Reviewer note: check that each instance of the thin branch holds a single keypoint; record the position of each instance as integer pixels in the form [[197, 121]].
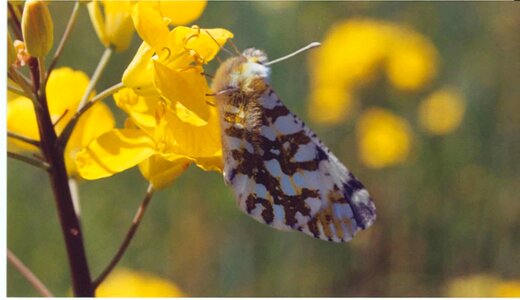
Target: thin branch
[[23, 138], [17, 91], [130, 234], [32, 161], [64, 38], [64, 137], [15, 20], [27, 274], [95, 77], [21, 80]]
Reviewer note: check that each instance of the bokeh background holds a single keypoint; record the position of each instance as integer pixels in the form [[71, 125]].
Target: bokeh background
[[420, 100]]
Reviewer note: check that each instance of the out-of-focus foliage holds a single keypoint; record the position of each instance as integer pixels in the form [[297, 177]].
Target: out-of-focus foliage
[[447, 211]]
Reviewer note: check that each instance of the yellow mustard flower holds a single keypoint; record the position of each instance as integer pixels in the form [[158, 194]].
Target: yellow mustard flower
[[508, 288], [330, 103], [64, 90], [353, 52], [442, 111], [112, 22], [128, 283], [384, 139], [482, 285], [154, 138], [171, 68], [412, 60]]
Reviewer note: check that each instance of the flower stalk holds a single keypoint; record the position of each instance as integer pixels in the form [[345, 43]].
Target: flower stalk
[[54, 155]]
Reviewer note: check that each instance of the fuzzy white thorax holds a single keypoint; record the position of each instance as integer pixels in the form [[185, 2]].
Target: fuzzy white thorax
[[247, 72]]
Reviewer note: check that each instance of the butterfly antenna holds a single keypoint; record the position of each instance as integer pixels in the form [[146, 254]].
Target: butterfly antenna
[[310, 46], [220, 46]]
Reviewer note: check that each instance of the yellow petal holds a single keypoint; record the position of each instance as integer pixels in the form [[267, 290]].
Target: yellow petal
[[139, 73], [140, 109], [149, 23], [161, 172], [65, 89], [96, 121], [113, 152], [187, 87], [118, 24], [205, 43], [182, 12], [127, 283], [96, 17], [21, 119], [202, 144]]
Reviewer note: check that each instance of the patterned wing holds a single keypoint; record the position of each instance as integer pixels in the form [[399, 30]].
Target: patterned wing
[[284, 176]]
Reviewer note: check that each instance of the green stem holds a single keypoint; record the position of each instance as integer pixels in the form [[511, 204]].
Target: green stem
[[64, 38], [95, 77], [28, 274], [128, 238], [26, 159]]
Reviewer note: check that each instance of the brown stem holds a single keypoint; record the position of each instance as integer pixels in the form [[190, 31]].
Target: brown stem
[[128, 238], [27, 274], [54, 155], [29, 160]]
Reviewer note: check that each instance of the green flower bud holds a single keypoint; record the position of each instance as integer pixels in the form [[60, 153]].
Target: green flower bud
[[37, 28]]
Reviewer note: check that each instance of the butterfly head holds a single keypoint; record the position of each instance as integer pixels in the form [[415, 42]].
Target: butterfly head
[[245, 73]]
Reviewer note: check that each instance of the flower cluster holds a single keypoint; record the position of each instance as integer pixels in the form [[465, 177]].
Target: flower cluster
[[170, 120], [353, 54]]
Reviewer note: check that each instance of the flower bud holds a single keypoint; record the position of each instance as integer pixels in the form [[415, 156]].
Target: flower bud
[[37, 28]]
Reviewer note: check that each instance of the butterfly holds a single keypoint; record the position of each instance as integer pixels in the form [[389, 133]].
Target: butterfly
[[280, 172]]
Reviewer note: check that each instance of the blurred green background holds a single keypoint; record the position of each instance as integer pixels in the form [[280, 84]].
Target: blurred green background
[[450, 211]]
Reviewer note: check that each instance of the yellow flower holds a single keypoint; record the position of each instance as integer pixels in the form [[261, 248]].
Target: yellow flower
[[112, 22], [64, 90], [442, 111], [170, 68], [154, 138], [412, 61], [384, 139], [352, 54], [127, 283], [510, 288], [330, 104], [482, 285]]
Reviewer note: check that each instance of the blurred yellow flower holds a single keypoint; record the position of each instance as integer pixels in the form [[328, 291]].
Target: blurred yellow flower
[[442, 111], [330, 104], [112, 22], [351, 55], [508, 288], [412, 60], [482, 285], [384, 139], [64, 90], [127, 283]]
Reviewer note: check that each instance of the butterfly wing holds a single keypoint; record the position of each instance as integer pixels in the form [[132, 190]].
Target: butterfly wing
[[284, 176]]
